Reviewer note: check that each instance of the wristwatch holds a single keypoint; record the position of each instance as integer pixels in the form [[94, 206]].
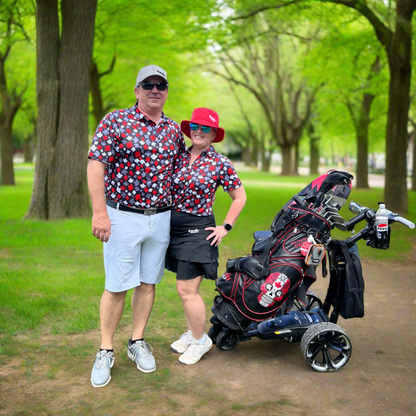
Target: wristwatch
[[227, 226]]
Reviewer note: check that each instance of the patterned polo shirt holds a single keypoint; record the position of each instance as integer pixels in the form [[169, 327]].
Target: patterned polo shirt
[[194, 187], [140, 156]]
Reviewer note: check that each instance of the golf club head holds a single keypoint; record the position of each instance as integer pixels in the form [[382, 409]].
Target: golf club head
[[356, 208], [341, 226], [336, 219], [330, 210], [327, 214]]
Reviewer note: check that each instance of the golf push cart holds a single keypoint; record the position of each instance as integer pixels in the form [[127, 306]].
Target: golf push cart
[[266, 294]]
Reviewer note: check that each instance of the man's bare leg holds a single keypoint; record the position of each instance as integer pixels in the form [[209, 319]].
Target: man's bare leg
[[111, 309], [141, 305]]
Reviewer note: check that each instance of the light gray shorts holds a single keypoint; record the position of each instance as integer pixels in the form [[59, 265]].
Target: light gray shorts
[[136, 249]]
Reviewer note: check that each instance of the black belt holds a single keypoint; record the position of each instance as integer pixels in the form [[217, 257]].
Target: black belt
[[147, 211]]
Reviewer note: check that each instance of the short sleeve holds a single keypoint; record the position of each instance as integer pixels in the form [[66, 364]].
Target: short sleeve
[[229, 179], [102, 146]]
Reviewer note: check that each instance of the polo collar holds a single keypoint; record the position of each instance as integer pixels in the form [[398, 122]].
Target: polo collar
[[141, 116], [207, 152]]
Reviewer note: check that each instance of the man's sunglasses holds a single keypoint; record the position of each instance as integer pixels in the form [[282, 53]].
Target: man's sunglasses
[[195, 127], [148, 86]]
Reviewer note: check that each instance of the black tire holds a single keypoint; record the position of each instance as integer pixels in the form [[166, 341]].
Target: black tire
[[313, 301], [227, 340], [326, 347], [213, 332]]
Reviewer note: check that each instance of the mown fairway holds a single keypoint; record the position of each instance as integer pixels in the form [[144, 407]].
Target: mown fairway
[[51, 280]]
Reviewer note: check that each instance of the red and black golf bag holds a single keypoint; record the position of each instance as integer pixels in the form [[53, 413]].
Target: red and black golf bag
[[255, 287]]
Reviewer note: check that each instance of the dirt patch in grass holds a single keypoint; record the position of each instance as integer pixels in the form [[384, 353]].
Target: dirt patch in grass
[[50, 375]]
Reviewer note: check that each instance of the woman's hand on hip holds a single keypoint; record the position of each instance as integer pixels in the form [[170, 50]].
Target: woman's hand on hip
[[218, 233]]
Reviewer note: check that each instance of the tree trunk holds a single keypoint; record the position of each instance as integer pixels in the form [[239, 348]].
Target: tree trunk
[[395, 191], [60, 189], [399, 56], [6, 147], [266, 158], [361, 127], [10, 104], [254, 151], [29, 149], [246, 155], [314, 150], [288, 161], [414, 161], [266, 154], [296, 159], [314, 159], [10, 99]]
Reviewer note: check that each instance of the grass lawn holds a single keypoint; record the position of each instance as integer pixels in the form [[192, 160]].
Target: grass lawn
[[51, 272]]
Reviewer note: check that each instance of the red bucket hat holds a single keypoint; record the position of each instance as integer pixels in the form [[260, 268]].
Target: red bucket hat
[[204, 117]]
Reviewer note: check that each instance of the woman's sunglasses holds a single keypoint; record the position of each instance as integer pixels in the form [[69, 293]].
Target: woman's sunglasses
[[195, 127], [161, 86]]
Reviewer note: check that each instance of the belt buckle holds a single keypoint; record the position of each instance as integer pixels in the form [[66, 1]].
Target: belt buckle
[[149, 211]]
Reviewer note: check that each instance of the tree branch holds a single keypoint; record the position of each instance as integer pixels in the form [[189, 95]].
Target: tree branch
[[109, 70], [263, 9], [383, 33]]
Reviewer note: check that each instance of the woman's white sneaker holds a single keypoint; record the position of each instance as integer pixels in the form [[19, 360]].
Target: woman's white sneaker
[[183, 343], [195, 352]]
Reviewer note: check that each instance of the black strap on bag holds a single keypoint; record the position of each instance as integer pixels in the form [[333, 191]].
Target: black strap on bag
[[352, 305]]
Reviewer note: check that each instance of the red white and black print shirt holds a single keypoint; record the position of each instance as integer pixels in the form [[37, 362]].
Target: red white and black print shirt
[[194, 186], [139, 155]]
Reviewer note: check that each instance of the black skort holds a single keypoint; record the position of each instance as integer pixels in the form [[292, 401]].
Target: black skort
[[190, 254]]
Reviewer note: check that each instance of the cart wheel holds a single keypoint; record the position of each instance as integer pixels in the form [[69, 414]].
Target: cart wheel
[[227, 340], [213, 332], [313, 301], [326, 347]]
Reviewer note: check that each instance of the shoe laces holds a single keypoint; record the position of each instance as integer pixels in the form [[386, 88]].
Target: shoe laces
[[103, 357], [192, 351], [186, 336], [141, 348]]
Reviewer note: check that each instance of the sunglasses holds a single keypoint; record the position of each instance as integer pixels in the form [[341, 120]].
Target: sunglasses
[[195, 127], [148, 86]]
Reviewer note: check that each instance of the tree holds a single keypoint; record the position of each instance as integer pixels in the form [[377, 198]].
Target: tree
[[412, 142], [63, 63], [360, 114], [255, 63], [393, 29], [254, 139], [141, 33], [11, 97], [352, 82]]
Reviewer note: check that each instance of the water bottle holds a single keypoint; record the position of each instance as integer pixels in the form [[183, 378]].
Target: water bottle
[[382, 227]]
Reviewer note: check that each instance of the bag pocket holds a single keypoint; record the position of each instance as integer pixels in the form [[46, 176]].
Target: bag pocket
[[353, 302], [247, 264]]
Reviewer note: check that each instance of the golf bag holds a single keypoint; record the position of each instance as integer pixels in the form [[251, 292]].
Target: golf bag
[[282, 264]]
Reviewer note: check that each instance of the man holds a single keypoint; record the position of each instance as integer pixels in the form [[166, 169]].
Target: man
[[129, 176]]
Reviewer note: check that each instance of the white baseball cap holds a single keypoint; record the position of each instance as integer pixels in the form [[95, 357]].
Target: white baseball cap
[[149, 71]]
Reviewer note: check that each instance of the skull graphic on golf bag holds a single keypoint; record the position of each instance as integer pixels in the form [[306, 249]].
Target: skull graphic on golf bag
[[273, 289]]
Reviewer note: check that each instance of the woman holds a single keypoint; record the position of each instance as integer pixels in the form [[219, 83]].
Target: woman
[[193, 249]]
